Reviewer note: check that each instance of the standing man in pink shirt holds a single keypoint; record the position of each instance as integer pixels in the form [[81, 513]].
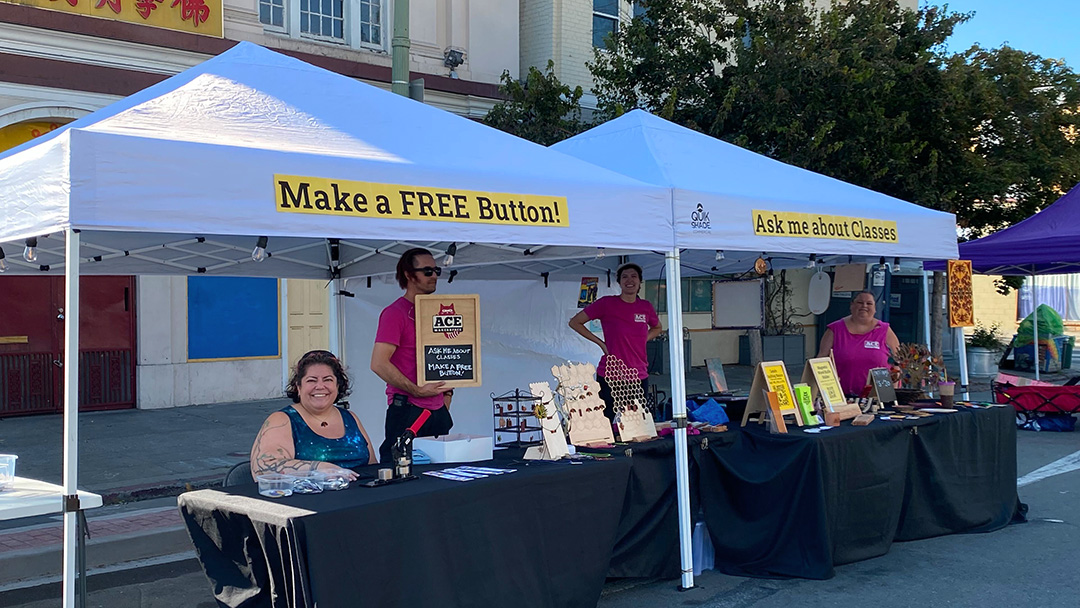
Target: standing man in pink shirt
[[394, 357], [628, 323]]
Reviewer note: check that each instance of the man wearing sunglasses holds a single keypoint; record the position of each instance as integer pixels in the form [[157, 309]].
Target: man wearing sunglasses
[[394, 357]]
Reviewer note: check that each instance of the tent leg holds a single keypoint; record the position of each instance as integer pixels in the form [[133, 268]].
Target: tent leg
[[1035, 320], [961, 348], [71, 412], [926, 307], [678, 405], [334, 312]]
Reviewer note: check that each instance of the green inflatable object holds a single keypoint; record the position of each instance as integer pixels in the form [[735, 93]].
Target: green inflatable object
[[1050, 324]]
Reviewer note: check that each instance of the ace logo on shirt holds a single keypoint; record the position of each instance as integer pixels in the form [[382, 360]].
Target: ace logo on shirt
[[873, 344], [640, 318]]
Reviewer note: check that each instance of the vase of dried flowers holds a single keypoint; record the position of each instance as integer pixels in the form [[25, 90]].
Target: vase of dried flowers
[[914, 370]]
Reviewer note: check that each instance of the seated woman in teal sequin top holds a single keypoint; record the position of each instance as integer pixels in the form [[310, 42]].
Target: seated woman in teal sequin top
[[313, 433]]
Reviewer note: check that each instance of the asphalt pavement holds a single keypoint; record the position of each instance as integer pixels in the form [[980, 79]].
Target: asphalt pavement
[[140, 556]]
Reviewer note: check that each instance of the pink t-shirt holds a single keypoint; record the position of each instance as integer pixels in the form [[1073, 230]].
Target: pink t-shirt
[[857, 354], [626, 328], [397, 326]]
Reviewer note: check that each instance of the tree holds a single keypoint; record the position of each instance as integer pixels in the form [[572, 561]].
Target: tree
[[541, 109], [864, 92]]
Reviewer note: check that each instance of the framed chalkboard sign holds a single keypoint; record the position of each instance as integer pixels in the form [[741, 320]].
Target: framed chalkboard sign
[[448, 339], [881, 381]]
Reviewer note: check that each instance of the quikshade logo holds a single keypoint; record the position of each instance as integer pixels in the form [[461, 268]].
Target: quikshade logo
[[699, 219]]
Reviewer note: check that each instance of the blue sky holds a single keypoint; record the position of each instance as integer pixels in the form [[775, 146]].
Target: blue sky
[[1045, 27]]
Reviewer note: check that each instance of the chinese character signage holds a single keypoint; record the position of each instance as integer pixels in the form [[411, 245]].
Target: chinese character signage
[[195, 16]]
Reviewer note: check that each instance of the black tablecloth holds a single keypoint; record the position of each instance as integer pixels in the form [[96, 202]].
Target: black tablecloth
[[541, 536], [796, 505]]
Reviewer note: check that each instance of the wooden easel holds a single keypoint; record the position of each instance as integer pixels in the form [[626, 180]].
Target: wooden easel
[[771, 376], [820, 374]]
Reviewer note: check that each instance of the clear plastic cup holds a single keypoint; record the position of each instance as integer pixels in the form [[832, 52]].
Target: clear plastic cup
[[7, 470], [275, 485]]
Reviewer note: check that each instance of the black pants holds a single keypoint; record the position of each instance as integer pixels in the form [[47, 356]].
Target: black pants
[[401, 414], [609, 402]]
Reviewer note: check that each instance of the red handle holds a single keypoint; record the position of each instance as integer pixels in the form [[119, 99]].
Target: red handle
[[420, 420]]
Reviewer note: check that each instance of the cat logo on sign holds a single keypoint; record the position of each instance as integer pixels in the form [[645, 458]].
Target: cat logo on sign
[[447, 322]]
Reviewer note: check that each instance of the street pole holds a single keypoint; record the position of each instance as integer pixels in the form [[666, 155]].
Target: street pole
[[399, 75]]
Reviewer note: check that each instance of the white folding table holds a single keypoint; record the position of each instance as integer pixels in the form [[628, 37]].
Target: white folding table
[[30, 498]]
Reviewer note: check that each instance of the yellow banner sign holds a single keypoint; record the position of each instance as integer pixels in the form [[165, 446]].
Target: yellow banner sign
[[816, 226], [195, 16], [343, 198]]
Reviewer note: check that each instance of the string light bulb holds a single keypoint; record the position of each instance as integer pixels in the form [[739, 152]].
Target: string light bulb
[[600, 253], [719, 255], [3, 262], [812, 262], [30, 252], [451, 251], [259, 253]]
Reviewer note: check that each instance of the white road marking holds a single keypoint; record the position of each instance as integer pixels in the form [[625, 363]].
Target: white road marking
[[1063, 465]]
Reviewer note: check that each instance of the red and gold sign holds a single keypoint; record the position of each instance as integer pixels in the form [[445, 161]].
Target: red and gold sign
[[961, 303], [195, 16]]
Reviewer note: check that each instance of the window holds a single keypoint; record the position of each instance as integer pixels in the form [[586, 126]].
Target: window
[[605, 20], [272, 12], [371, 22], [356, 23], [322, 18], [696, 294]]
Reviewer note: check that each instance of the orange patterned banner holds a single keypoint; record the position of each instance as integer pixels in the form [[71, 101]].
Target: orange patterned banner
[[195, 16], [961, 303]]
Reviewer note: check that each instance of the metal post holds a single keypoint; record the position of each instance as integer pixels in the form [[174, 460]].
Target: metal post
[[961, 348], [678, 408], [399, 44], [926, 306], [71, 411], [334, 325], [1035, 319]]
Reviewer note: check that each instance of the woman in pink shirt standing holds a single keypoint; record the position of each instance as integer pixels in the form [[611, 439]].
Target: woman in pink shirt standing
[[859, 343], [628, 323]]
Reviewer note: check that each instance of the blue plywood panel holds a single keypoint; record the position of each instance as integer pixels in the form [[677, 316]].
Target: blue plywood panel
[[231, 317]]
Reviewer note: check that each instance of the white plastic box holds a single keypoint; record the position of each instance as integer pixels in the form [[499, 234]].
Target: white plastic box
[[455, 448]]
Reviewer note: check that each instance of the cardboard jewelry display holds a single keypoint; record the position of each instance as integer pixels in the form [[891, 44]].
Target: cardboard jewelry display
[[581, 398], [820, 374], [631, 414], [448, 339], [771, 376], [551, 428]]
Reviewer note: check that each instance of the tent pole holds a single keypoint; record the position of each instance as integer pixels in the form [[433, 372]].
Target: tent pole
[[283, 323], [926, 306], [678, 408], [334, 311], [71, 411], [1035, 319], [961, 347]]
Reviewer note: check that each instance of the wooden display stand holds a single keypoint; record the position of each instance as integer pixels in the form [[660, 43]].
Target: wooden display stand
[[551, 429], [820, 374], [448, 339], [771, 376], [581, 398]]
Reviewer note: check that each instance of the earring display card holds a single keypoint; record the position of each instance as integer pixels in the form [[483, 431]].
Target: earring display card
[[552, 433], [581, 399]]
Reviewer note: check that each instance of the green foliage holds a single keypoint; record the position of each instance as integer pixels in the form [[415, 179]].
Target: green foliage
[[864, 92], [1004, 285], [989, 338], [540, 109]]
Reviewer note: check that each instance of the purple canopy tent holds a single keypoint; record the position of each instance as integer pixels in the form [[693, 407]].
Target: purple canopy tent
[[1045, 243]]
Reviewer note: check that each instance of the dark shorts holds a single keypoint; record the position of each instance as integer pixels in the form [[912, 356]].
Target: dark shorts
[[401, 417]]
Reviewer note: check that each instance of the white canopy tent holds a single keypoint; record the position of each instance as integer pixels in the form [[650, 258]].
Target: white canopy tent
[[182, 178], [725, 198]]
